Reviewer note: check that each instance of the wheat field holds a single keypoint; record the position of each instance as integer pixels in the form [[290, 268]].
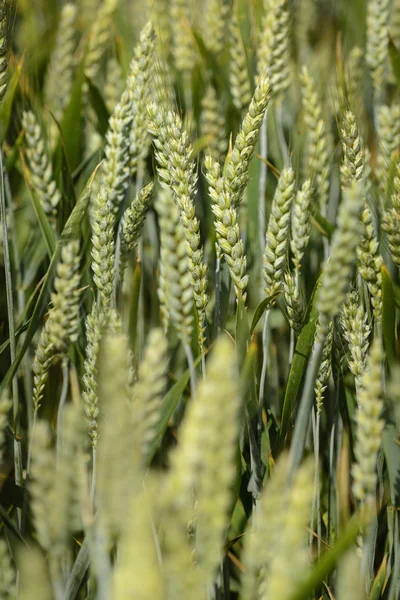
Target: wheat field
[[199, 299]]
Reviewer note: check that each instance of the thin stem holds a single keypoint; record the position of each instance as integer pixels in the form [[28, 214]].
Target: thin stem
[[332, 477], [280, 130], [61, 405], [217, 295], [263, 369], [300, 431], [262, 184], [94, 472], [316, 482], [26, 361], [187, 90], [189, 357], [368, 555], [312, 519], [292, 346], [11, 328]]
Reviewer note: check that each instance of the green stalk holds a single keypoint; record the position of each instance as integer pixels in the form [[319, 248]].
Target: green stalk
[[303, 415], [217, 295], [262, 182], [190, 361], [26, 361], [11, 327], [63, 399], [280, 131], [264, 368]]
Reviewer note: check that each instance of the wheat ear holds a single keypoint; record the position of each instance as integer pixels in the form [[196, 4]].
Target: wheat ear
[[40, 167], [60, 71]]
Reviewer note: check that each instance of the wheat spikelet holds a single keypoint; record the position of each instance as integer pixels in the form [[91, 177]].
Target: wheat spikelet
[[176, 169], [273, 53], [369, 427], [276, 241], [212, 123], [356, 330], [294, 303], [103, 248], [99, 37], [371, 262], [141, 72], [63, 321], [317, 151], [301, 223], [206, 455], [264, 532], [118, 463], [391, 220], [353, 164], [113, 86], [61, 328], [216, 14], [335, 277], [227, 228], [377, 42], [175, 267], [237, 170], [149, 390], [137, 572], [292, 543], [40, 167], [132, 222], [238, 72], [183, 50], [115, 167], [95, 323], [325, 368], [60, 71], [388, 130]]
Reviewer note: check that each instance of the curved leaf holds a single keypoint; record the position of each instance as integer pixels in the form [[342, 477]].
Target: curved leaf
[[70, 232], [260, 310]]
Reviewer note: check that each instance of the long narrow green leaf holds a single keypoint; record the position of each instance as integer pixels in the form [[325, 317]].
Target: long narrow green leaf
[[299, 364], [328, 561], [71, 232], [8, 100], [44, 225], [388, 316], [260, 310], [78, 571]]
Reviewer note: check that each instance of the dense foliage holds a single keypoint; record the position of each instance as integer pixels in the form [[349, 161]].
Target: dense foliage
[[199, 301]]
